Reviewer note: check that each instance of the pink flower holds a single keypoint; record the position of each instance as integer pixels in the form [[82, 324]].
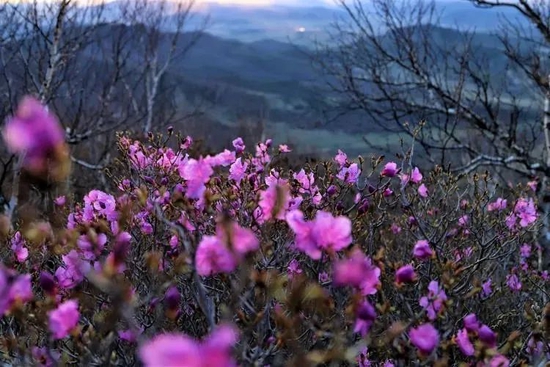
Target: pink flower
[[464, 343], [171, 350], [390, 170], [532, 185], [34, 133], [283, 148], [325, 232], [487, 336], [73, 271], [525, 211], [91, 248], [274, 202], [241, 240], [196, 173], [20, 290], [129, 335], [223, 159], [471, 323], [499, 361], [349, 174], [405, 274], [425, 337], [498, 205], [422, 250], [237, 171], [525, 251], [341, 158], [180, 350], [513, 282], [239, 146], [423, 191], [463, 221], [99, 204], [18, 247], [416, 176], [395, 228], [220, 253], [212, 257], [64, 319], [365, 317], [486, 289], [294, 268], [359, 272], [60, 201], [433, 303]]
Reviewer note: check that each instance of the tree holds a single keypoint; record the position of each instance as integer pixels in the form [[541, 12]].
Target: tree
[[99, 65], [480, 104]]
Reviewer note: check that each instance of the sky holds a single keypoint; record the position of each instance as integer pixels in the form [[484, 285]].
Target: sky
[[223, 2]]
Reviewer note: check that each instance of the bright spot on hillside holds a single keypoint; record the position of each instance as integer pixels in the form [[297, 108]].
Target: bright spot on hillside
[[301, 29]]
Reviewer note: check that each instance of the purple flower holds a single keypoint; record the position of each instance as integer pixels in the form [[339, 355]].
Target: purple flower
[[422, 250], [239, 146], [425, 337], [294, 268], [464, 343], [366, 314], [423, 191], [487, 336], [33, 133], [471, 323], [416, 176], [390, 170], [486, 289], [433, 303], [513, 282], [64, 319], [405, 274], [350, 174], [359, 272]]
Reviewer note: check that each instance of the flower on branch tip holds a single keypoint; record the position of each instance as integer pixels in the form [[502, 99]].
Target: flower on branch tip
[[390, 170], [433, 303], [63, 319], [36, 135], [324, 233], [405, 274], [422, 250], [425, 338], [464, 344], [181, 350], [365, 317], [222, 252], [357, 271]]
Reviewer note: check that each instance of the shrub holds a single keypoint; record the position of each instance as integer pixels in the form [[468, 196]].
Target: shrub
[[236, 258]]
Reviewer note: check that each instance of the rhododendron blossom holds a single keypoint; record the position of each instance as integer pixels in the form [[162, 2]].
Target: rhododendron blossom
[[222, 252], [64, 319], [324, 233], [390, 170], [434, 301], [425, 337], [180, 350], [422, 250], [365, 316], [350, 174], [359, 272], [33, 133], [464, 343], [405, 274]]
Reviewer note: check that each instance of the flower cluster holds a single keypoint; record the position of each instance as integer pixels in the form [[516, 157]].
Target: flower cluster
[[238, 258]]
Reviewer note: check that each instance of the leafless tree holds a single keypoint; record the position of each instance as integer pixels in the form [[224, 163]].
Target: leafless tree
[[158, 28], [474, 101], [480, 105], [99, 66]]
